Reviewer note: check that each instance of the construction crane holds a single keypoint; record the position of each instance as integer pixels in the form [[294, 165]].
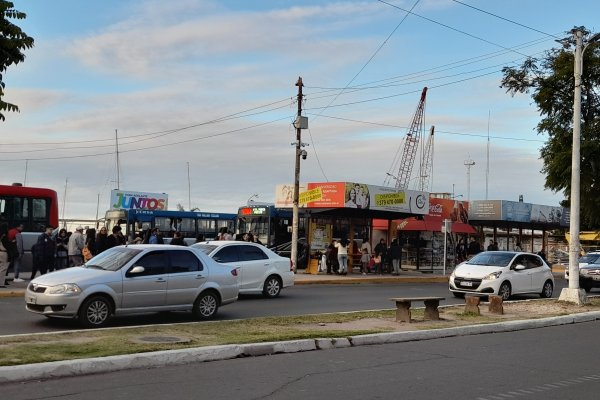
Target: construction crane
[[411, 144], [427, 163]]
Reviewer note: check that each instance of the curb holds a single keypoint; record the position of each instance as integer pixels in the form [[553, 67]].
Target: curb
[[61, 369]]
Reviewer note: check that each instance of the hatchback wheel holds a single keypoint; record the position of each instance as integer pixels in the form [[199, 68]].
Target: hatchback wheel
[[95, 312], [272, 287], [504, 291], [547, 290], [206, 305]]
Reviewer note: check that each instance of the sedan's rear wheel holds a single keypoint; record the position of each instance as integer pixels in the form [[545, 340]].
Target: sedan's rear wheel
[[272, 287], [505, 291], [95, 312], [206, 305], [547, 290]]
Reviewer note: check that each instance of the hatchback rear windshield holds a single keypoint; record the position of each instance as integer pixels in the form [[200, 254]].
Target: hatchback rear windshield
[[493, 258], [205, 248]]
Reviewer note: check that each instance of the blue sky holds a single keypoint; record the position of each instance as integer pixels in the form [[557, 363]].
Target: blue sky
[[161, 73]]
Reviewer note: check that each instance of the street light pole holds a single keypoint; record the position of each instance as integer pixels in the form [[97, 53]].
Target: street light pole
[[469, 163], [295, 216], [574, 293]]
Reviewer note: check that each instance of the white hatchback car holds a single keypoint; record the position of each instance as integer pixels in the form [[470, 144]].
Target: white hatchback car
[[503, 273], [261, 270]]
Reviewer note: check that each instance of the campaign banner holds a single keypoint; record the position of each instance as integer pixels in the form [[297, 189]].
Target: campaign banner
[[128, 200]]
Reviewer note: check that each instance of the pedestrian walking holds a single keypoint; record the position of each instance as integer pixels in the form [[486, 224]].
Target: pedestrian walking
[[43, 251], [75, 247], [382, 250], [4, 245], [395, 255], [16, 250], [62, 249], [102, 240], [178, 239], [342, 255]]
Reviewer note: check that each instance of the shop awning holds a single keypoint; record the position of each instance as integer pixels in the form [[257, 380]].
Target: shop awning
[[429, 223]]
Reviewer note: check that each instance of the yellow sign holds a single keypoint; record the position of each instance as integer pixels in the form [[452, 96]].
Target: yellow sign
[[388, 199], [315, 194]]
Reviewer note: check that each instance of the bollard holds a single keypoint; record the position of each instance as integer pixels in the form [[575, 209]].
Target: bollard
[[472, 304], [496, 306]]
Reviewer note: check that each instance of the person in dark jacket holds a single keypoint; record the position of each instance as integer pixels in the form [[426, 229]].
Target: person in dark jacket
[[90, 241], [43, 253], [178, 239], [102, 240], [382, 250], [395, 255], [62, 248]]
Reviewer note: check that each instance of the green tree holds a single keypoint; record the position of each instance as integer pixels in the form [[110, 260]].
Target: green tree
[[12, 43], [551, 83]]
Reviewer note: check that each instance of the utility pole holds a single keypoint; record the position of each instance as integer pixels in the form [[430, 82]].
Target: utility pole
[[295, 212], [189, 188], [574, 293], [117, 150], [469, 163]]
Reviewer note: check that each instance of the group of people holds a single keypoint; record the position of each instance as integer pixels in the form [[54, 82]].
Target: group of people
[[382, 259], [53, 250]]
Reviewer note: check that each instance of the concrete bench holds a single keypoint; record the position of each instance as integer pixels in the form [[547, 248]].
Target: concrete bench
[[403, 307]]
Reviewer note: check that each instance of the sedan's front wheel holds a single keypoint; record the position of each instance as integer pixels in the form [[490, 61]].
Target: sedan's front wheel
[[206, 305], [547, 290], [505, 291], [95, 312]]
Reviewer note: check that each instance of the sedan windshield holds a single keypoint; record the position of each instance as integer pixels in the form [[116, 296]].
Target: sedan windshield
[[492, 258], [205, 248], [590, 259], [112, 259]]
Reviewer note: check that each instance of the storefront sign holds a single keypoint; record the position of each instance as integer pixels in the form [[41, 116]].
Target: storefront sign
[[122, 199]]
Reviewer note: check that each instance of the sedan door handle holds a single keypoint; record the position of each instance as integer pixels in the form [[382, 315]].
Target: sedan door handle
[[160, 280], [199, 276]]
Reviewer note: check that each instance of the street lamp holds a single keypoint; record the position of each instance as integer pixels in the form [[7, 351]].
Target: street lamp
[[574, 293]]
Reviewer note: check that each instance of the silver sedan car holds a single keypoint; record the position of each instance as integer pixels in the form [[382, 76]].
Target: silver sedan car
[[135, 279]]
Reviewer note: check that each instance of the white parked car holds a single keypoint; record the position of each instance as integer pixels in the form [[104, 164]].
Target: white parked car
[[261, 270], [135, 279], [589, 271], [502, 273]]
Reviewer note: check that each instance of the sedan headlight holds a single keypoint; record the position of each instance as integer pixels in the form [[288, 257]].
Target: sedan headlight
[[583, 271], [65, 288], [492, 276]]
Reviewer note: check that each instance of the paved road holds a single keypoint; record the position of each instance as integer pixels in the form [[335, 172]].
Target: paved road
[[533, 364], [298, 300]]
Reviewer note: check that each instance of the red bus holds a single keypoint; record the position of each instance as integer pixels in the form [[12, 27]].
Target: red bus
[[35, 208]]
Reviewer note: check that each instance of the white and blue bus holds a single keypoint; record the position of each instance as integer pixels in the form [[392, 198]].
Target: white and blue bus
[[190, 224]]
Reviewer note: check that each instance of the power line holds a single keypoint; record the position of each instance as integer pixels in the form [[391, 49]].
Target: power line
[[237, 115], [506, 19], [149, 147], [451, 28], [485, 136]]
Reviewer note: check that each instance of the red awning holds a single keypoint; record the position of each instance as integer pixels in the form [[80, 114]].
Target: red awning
[[433, 225]]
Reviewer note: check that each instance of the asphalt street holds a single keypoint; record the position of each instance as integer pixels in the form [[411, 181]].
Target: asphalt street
[[297, 300], [549, 363]]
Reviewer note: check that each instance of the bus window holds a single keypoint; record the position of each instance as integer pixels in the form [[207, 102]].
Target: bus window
[[163, 223], [187, 226], [39, 214]]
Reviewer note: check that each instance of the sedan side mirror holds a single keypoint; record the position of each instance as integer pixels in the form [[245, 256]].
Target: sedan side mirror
[[138, 269]]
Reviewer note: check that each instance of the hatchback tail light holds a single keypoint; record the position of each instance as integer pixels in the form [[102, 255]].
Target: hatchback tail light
[[291, 266]]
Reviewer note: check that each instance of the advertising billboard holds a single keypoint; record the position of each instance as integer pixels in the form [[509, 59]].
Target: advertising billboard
[[353, 195], [128, 200]]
